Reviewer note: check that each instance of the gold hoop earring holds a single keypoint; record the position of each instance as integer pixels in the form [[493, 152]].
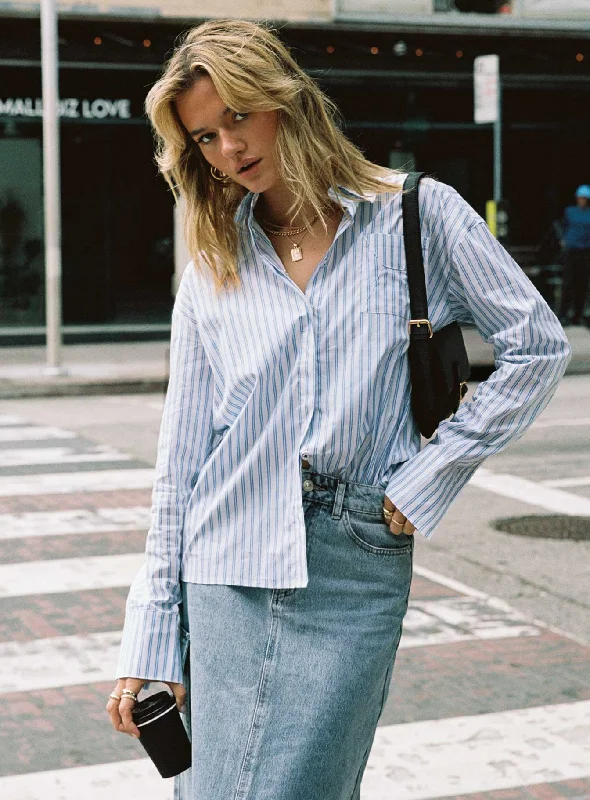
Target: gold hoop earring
[[218, 175]]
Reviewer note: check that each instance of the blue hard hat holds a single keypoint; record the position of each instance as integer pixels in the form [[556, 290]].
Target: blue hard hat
[[583, 191]]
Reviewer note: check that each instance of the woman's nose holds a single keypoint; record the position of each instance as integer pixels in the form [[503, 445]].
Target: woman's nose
[[230, 145]]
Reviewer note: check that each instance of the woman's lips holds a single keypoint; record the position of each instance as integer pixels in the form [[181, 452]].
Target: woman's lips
[[249, 167]]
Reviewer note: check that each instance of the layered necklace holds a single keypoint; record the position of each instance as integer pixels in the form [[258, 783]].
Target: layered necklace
[[276, 230]]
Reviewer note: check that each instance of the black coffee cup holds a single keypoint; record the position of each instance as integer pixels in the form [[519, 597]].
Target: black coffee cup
[[162, 733]]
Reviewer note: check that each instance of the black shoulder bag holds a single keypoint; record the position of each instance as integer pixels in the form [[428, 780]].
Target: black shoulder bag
[[439, 367]]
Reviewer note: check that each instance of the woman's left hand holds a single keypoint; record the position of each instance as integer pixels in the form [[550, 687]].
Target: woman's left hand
[[395, 519]]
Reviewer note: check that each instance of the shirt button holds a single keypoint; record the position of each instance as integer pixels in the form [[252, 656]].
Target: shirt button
[[308, 485]]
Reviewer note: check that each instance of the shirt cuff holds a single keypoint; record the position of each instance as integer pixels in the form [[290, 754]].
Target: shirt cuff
[[424, 497], [150, 647]]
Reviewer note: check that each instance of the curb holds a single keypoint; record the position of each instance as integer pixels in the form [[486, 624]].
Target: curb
[[79, 388]]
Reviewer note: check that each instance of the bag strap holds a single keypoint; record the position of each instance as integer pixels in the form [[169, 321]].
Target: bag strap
[[419, 324]]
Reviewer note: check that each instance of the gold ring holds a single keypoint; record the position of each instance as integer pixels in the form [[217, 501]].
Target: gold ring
[[401, 524], [387, 513], [129, 693], [115, 696]]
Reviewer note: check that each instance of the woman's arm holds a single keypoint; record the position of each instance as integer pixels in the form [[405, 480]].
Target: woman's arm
[[150, 648], [531, 352]]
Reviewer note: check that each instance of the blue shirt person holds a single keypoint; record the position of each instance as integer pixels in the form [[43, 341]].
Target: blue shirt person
[[576, 241]]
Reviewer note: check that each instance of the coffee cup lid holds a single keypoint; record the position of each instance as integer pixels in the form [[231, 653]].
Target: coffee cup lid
[[152, 707]]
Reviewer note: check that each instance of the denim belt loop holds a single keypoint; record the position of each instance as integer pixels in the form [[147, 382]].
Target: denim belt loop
[[339, 500]]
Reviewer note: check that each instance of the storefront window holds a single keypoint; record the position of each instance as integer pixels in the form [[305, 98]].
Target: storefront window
[[117, 251], [21, 230]]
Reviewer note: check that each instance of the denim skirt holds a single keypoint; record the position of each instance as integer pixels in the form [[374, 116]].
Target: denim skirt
[[286, 686]]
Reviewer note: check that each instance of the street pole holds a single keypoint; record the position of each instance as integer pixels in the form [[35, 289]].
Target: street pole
[[487, 96], [498, 143], [51, 184]]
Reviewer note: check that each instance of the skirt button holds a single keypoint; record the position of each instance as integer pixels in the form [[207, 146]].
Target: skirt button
[[308, 485]]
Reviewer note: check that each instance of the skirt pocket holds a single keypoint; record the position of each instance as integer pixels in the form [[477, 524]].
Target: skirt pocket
[[371, 534]]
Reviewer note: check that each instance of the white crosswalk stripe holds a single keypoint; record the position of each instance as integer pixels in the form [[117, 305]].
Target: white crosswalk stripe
[[68, 574], [62, 523], [58, 661], [531, 493], [483, 753], [33, 433], [68, 660], [58, 455], [413, 761], [116, 781], [11, 419], [66, 483], [557, 483]]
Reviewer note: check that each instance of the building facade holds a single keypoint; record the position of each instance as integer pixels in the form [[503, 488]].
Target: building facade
[[404, 85]]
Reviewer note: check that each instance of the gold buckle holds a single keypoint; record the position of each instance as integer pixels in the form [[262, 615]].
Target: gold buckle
[[462, 391], [418, 322]]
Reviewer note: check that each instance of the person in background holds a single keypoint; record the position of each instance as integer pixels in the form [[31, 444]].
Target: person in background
[[576, 271]]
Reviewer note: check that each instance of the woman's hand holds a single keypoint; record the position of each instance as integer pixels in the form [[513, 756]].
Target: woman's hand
[[395, 519], [120, 705]]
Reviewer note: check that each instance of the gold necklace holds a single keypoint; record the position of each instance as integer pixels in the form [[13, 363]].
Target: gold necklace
[[296, 251]]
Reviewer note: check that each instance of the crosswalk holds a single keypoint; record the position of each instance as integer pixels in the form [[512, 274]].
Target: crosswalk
[[485, 703]]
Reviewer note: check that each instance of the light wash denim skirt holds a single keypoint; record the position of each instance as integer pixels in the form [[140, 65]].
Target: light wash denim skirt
[[286, 686]]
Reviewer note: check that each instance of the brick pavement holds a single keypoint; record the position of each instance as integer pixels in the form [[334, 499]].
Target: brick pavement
[[66, 727]]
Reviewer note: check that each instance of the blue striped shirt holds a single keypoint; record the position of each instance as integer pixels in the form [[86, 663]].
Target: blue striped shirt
[[265, 374]]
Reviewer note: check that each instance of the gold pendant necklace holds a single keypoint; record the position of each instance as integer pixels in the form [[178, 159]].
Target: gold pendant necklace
[[296, 250]]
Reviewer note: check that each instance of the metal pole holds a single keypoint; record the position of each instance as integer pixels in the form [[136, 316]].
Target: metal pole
[[51, 182], [498, 144]]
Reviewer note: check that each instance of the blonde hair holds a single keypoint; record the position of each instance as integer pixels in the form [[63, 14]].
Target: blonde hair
[[251, 71]]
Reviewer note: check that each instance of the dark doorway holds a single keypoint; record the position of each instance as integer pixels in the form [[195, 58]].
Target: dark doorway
[[117, 227]]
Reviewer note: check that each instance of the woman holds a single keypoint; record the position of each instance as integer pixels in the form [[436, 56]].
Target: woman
[[290, 478]]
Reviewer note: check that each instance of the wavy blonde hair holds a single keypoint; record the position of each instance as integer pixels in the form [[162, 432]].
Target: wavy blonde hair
[[251, 71]]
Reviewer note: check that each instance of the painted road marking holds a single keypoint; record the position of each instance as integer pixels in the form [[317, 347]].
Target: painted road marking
[[69, 574], [482, 753], [59, 661], [561, 423], [414, 761], [58, 455], [118, 781], [10, 419], [70, 660], [461, 619], [67, 483], [32, 433], [456, 586], [531, 493], [62, 523], [584, 480]]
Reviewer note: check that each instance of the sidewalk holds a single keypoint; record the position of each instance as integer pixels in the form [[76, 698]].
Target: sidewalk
[[136, 367], [110, 368]]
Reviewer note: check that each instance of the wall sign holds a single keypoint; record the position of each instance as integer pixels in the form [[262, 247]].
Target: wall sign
[[69, 108]]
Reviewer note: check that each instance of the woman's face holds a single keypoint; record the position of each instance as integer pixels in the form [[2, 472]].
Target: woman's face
[[240, 145]]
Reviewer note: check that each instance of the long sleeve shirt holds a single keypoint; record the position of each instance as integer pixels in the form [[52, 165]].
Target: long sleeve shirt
[[264, 374]]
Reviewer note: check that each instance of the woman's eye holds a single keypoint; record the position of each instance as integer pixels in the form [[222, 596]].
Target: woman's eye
[[206, 138]]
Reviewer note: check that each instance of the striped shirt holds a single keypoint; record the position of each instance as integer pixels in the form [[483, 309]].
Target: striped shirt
[[265, 374]]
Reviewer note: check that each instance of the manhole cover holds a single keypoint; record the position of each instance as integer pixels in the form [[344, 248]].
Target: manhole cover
[[555, 526]]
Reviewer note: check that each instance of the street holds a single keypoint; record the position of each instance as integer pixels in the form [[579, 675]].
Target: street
[[491, 693]]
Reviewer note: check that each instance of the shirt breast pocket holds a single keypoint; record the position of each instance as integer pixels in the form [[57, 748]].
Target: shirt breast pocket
[[387, 281]]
